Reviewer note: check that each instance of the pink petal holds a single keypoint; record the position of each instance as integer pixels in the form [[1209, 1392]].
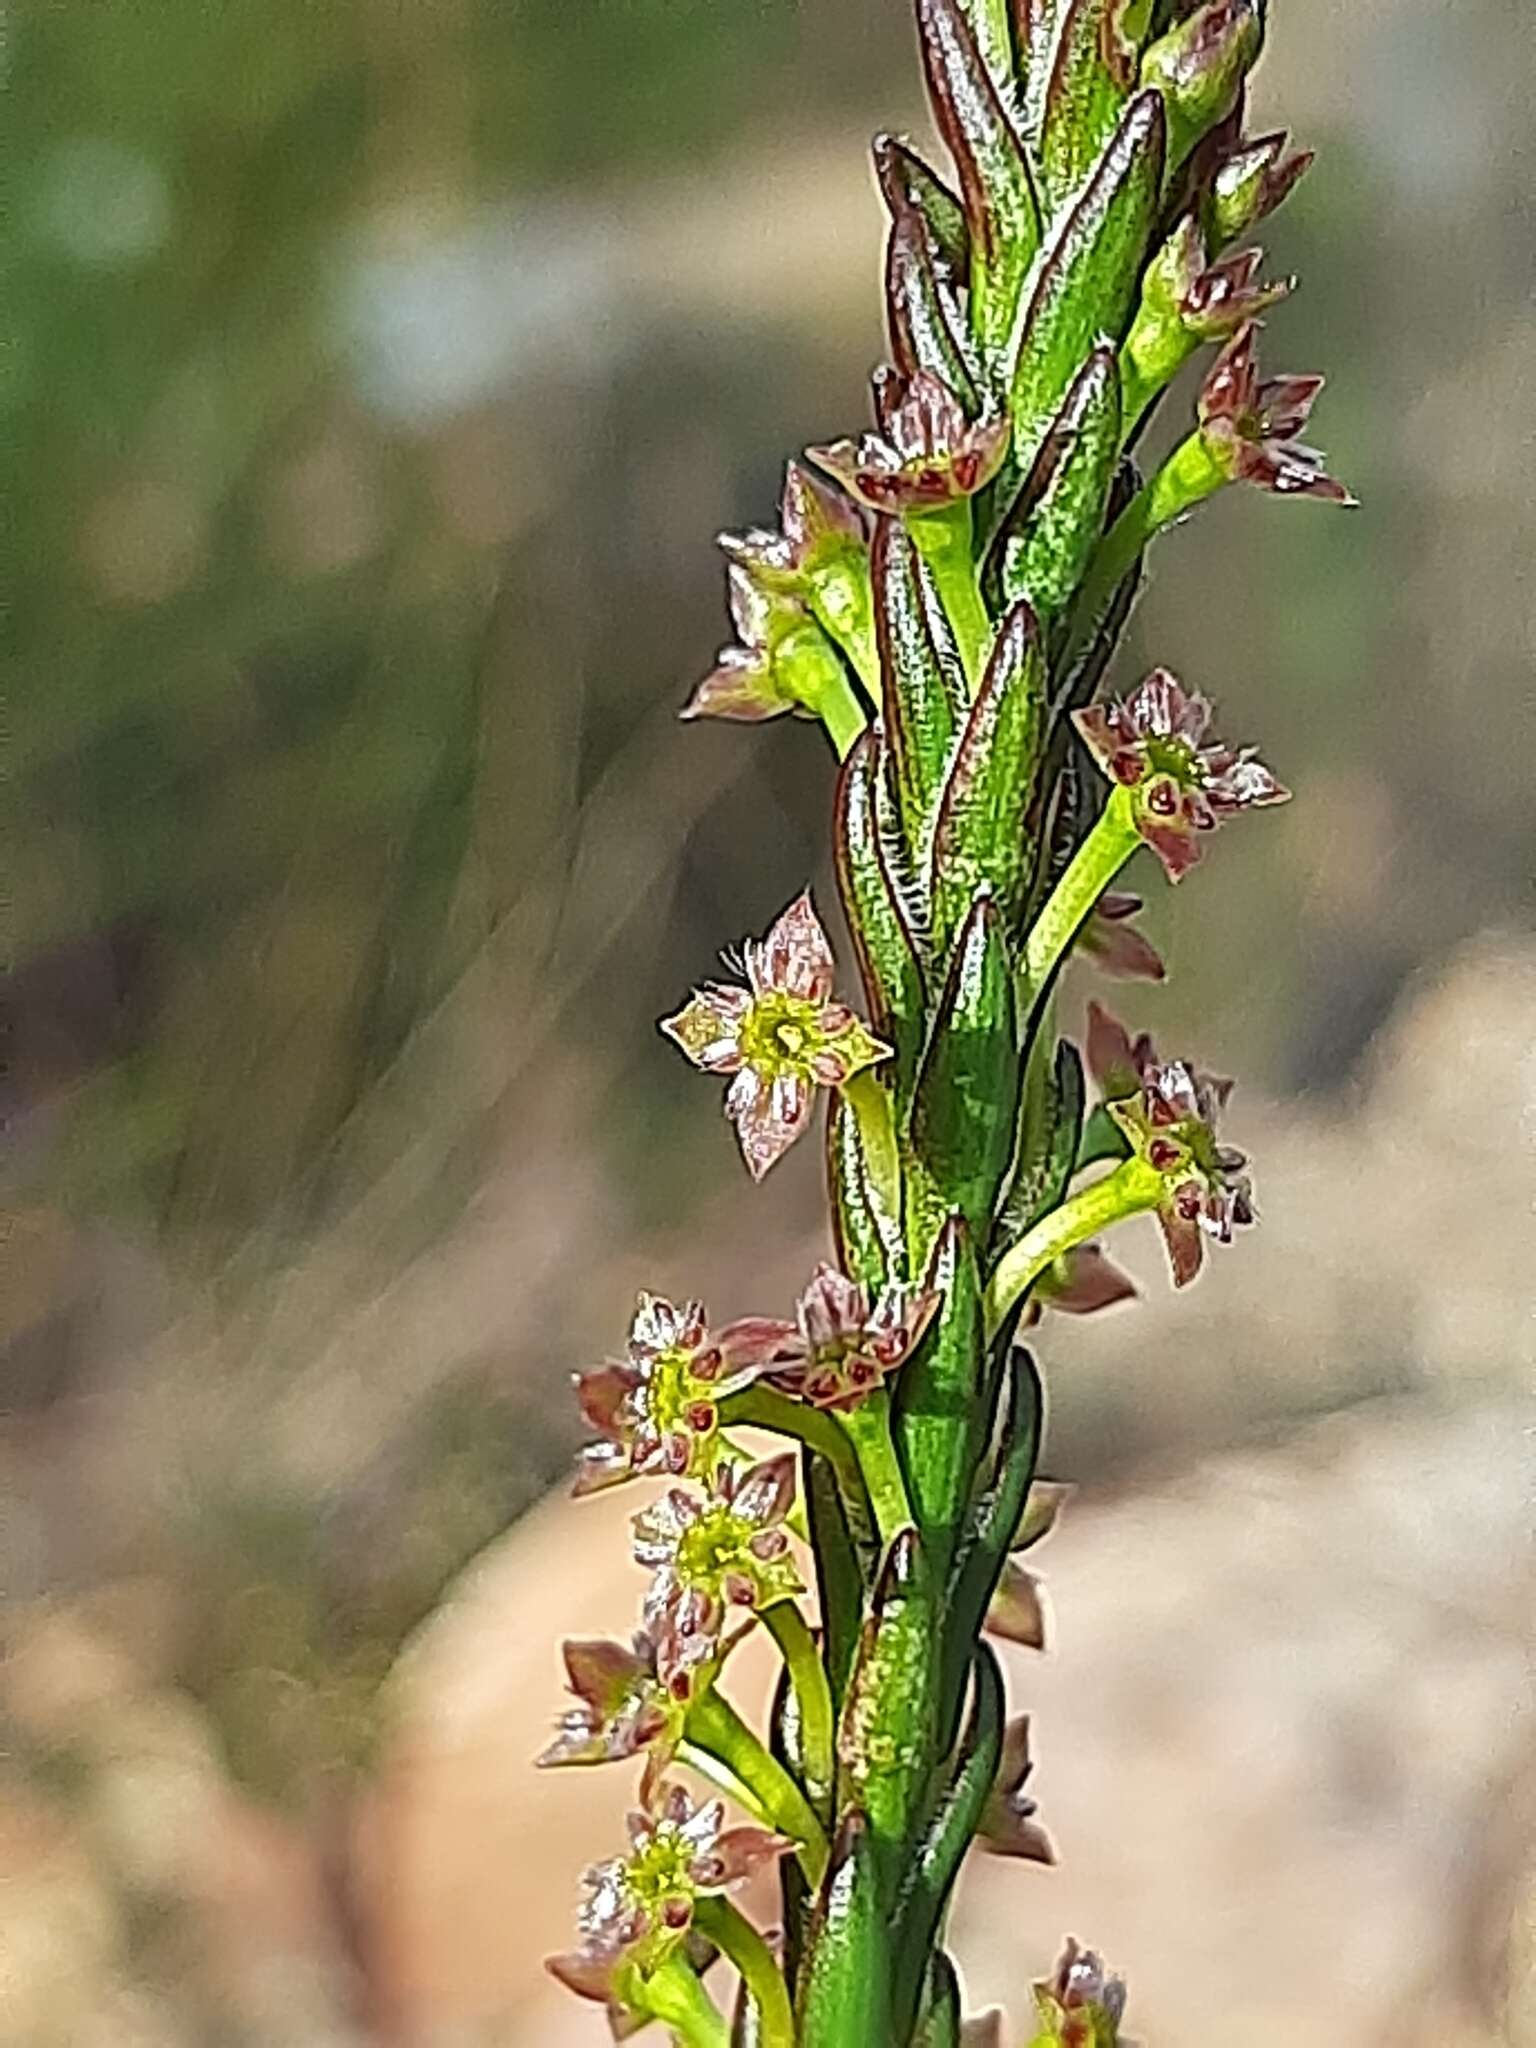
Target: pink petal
[[766, 1490], [603, 1394], [1093, 1282], [583, 1971], [1185, 1244], [768, 1121], [707, 1030], [740, 687], [600, 1671], [737, 1854], [796, 955], [752, 1343]]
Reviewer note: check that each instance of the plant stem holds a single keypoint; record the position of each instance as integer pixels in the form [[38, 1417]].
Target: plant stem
[[716, 1730], [808, 1675], [673, 1994], [1093, 867], [1190, 474], [827, 691], [1132, 1189], [869, 1430], [943, 539], [740, 1942], [762, 1407], [842, 601]]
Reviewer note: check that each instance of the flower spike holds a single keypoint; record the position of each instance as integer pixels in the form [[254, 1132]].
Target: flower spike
[[779, 1038], [927, 454], [1182, 783], [1249, 429]]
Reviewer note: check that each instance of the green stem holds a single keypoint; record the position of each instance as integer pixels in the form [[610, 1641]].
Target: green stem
[[813, 1696], [1190, 474], [763, 1407], [715, 1730], [1093, 867], [869, 1430], [1130, 1190], [841, 599], [943, 539], [823, 687], [673, 1994], [740, 1942]]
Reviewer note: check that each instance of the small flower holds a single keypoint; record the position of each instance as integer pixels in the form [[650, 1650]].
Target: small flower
[[722, 1551], [659, 1410], [927, 454], [819, 527], [781, 1037], [623, 1708], [1113, 943], [1229, 292], [754, 680], [1154, 743], [1249, 429], [1081, 2005], [840, 1347], [639, 1907], [1169, 1118], [1251, 182]]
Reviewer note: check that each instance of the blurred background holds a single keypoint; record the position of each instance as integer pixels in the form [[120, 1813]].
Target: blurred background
[[379, 374]]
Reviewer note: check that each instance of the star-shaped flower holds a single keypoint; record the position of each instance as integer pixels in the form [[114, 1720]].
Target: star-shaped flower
[[639, 1907], [1250, 428], [1183, 784], [926, 455], [714, 1553], [658, 1410], [1170, 1119], [781, 1037], [1081, 2005], [841, 1346], [623, 1708], [817, 527]]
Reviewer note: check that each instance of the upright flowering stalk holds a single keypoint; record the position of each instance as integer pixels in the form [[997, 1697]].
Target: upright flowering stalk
[[945, 597]]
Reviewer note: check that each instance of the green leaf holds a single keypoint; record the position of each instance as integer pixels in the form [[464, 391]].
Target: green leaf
[[1036, 25], [1047, 541], [999, 1507], [839, 1582], [845, 1984], [1085, 286], [1050, 1120], [868, 1241], [979, 838], [996, 187], [951, 1826], [967, 1089], [1092, 77], [888, 1718], [938, 1408], [907, 184], [921, 311], [923, 693], [938, 2020], [883, 940]]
